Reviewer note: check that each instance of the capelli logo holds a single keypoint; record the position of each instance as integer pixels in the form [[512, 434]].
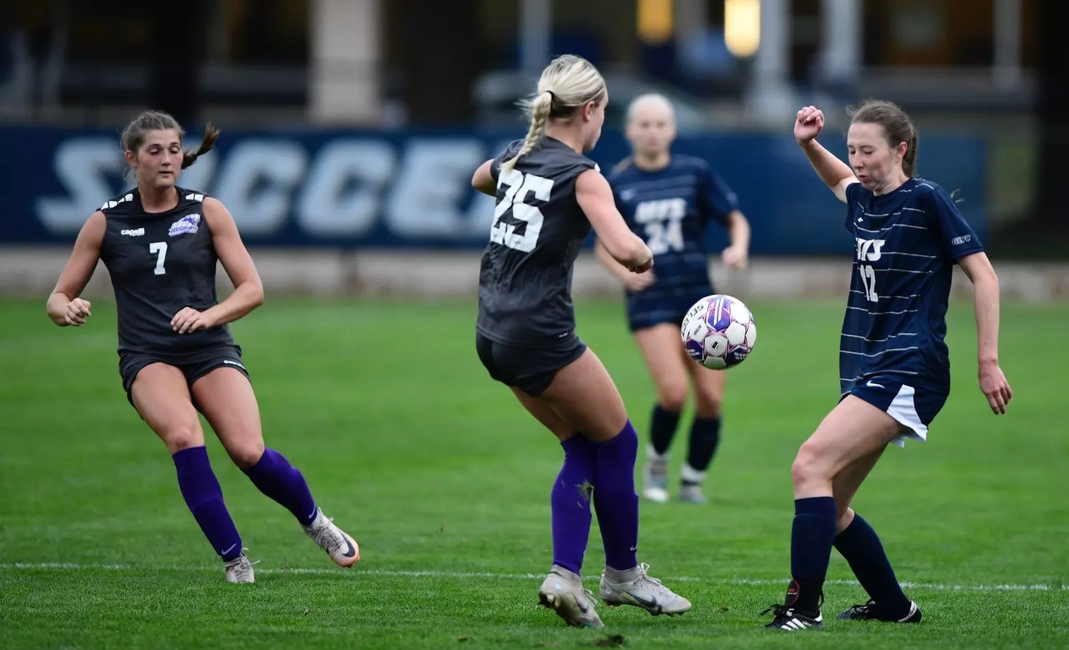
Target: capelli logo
[[136, 232]]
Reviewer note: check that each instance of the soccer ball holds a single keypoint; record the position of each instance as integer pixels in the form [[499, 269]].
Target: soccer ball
[[718, 332]]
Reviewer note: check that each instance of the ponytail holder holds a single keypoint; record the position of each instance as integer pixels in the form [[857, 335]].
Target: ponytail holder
[[552, 97]]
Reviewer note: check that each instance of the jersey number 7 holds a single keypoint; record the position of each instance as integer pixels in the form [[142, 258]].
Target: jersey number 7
[[520, 187]]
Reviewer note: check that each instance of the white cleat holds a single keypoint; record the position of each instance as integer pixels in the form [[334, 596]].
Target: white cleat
[[341, 548], [634, 587], [655, 477], [239, 569], [692, 493], [562, 591]]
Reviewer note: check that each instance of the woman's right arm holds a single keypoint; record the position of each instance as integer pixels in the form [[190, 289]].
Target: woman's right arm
[[64, 306], [595, 198], [836, 174]]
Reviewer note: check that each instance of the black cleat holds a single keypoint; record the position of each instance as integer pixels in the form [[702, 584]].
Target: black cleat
[[789, 619], [869, 612]]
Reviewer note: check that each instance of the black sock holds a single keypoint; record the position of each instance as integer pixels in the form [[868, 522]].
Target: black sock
[[663, 427], [704, 439], [861, 547], [812, 536]]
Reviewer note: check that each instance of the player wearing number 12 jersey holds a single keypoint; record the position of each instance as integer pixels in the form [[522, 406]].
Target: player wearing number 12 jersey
[[161, 245], [548, 197], [894, 365], [669, 200]]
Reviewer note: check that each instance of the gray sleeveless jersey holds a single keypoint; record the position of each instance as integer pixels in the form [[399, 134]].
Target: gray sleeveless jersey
[[538, 230]]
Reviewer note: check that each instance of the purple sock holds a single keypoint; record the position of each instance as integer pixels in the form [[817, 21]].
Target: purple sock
[[204, 497], [615, 499], [570, 502], [275, 477]]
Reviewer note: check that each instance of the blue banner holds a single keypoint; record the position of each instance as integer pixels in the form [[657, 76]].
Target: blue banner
[[351, 189]]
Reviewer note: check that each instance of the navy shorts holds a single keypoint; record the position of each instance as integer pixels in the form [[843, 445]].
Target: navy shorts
[[193, 365], [531, 369], [913, 405], [655, 306]]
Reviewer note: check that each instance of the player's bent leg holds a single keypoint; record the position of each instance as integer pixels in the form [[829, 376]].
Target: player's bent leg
[[704, 430], [658, 345], [228, 402], [852, 431], [860, 546], [161, 396], [584, 395], [570, 502]]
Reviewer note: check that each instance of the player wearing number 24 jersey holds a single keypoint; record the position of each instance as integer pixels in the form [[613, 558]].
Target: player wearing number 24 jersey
[[548, 196], [161, 245], [669, 200]]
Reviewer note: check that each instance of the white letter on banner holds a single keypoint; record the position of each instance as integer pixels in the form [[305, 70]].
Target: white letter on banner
[[435, 178], [330, 206], [82, 166], [256, 181]]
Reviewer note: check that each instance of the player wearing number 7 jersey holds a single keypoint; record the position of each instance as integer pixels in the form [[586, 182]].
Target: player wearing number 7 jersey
[[548, 197], [894, 366], [669, 200], [161, 244]]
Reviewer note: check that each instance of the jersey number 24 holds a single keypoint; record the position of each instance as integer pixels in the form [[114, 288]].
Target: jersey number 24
[[520, 187]]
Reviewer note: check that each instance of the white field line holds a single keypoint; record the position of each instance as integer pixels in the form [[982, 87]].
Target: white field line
[[462, 575]]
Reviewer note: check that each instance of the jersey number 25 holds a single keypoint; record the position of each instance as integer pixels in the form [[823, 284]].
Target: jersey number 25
[[520, 187]]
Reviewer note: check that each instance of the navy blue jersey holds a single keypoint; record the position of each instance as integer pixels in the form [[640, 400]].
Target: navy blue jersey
[[525, 279], [670, 209], [159, 264], [907, 242]]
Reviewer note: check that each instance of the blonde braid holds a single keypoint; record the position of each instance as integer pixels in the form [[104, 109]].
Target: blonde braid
[[539, 109]]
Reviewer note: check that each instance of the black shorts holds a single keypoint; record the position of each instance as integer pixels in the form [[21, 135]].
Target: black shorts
[[193, 365], [531, 369]]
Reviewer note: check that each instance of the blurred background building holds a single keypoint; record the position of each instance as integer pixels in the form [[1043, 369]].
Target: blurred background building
[[356, 123]]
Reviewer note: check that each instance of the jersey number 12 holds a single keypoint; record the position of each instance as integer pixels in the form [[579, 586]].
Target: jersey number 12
[[160, 249], [520, 187]]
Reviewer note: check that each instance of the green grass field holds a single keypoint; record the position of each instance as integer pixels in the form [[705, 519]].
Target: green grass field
[[444, 480]]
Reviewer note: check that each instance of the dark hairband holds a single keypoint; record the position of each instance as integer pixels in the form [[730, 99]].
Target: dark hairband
[[552, 96]]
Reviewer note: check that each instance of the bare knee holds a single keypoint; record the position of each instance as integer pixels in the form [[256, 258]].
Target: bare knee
[[246, 452], [708, 404], [180, 437], [672, 396], [810, 473]]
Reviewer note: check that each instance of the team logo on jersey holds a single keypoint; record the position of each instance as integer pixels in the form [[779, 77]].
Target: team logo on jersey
[[135, 232], [958, 241], [868, 250], [187, 225]]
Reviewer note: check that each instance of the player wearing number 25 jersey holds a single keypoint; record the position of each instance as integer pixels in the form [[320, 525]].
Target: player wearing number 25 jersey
[[549, 195], [669, 200], [894, 368], [161, 245]]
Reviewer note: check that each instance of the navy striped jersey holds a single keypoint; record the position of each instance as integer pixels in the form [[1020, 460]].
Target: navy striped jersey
[[670, 209], [907, 242], [525, 277], [160, 263]]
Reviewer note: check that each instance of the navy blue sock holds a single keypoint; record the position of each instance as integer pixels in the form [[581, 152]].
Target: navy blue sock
[[204, 498], [812, 536], [663, 425], [275, 477], [704, 439], [861, 547], [615, 499], [570, 503]]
